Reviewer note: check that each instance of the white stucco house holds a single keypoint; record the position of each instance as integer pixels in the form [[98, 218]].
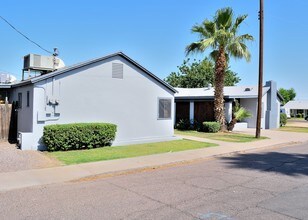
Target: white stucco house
[[292, 108], [113, 89], [198, 104]]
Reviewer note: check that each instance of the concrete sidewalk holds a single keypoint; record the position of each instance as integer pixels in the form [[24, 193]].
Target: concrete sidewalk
[[27, 178]]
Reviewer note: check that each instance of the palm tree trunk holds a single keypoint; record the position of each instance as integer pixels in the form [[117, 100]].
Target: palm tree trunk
[[219, 87]]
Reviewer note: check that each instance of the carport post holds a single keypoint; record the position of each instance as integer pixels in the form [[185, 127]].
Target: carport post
[[191, 112]]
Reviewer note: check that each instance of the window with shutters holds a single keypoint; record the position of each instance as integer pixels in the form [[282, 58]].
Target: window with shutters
[[164, 108], [117, 70]]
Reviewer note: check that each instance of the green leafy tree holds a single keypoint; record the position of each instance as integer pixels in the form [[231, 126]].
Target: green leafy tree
[[221, 35], [287, 94], [198, 74]]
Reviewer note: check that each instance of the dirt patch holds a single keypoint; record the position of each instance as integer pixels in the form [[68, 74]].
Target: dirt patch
[[13, 159]]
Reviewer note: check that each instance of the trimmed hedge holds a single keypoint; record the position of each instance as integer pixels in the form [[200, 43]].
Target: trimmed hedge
[[211, 126], [78, 136]]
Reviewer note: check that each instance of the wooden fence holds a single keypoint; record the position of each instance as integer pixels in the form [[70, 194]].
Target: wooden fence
[[5, 120]]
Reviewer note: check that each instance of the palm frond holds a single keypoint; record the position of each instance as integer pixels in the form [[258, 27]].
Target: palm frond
[[242, 113], [223, 18], [210, 27], [244, 38], [238, 22], [200, 46], [199, 29], [239, 50]]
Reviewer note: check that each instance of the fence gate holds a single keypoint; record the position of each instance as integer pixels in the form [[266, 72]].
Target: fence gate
[[7, 122]]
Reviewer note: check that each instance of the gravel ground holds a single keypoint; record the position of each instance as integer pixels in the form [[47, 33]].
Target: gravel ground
[[13, 159]]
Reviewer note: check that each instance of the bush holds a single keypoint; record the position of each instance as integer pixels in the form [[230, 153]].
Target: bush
[[299, 115], [197, 126], [78, 136], [183, 124], [211, 126], [283, 119]]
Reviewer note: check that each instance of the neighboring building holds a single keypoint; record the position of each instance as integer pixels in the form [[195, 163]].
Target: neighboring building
[[113, 89], [198, 104], [293, 108]]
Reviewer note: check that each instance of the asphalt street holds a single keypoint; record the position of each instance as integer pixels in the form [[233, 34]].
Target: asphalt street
[[270, 184]]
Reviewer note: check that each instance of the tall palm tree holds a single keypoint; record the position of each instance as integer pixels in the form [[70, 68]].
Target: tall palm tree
[[221, 35]]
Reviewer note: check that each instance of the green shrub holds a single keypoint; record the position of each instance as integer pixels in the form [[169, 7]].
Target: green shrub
[[211, 126], [183, 124], [299, 115], [78, 136], [283, 119], [197, 126]]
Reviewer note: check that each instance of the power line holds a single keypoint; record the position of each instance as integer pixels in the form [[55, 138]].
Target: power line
[[6, 21]]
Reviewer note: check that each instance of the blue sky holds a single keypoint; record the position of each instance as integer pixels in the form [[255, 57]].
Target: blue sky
[[155, 33]]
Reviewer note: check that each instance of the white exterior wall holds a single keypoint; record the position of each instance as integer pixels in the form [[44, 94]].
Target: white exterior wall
[[90, 94], [251, 105], [228, 111], [278, 113]]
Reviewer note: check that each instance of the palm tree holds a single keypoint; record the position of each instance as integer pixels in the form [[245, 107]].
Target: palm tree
[[221, 35], [238, 114]]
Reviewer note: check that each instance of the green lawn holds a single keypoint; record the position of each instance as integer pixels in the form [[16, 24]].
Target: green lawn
[[110, 153], [220, 136], [294, 129], [295, 119]]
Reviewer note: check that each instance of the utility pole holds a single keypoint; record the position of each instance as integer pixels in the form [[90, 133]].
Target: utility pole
[[260, 86]]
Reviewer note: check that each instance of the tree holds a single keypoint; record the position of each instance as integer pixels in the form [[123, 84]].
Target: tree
[[198, 74], [238, 114], [287, 95], [221, 35]]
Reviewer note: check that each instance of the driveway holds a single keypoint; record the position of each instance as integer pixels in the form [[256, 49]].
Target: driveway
[[13, 159]]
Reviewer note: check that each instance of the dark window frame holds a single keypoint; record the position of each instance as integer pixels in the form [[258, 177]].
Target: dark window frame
[[28, 98], [20, 100]]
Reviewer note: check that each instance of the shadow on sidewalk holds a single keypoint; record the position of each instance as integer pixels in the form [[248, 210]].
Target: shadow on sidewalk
[[283, 163]]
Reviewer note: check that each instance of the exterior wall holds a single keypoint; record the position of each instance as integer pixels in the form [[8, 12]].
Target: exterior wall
[[228, 111], [251, 105], [277, 113], [273, 106], [90, 94], [24, 114], [240, 126]]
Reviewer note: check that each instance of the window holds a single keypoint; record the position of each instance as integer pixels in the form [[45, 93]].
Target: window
[[117, 70], [19, 104], [28, 98], [164, 108]]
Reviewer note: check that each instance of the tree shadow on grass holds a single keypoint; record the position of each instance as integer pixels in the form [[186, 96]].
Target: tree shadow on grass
[[276, 162]]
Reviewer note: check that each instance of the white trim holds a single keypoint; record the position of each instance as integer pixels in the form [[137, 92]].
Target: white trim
[[191, 111]]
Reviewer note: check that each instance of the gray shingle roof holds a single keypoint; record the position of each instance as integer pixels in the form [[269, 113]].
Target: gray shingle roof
[[300, 104], [229, 92]]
